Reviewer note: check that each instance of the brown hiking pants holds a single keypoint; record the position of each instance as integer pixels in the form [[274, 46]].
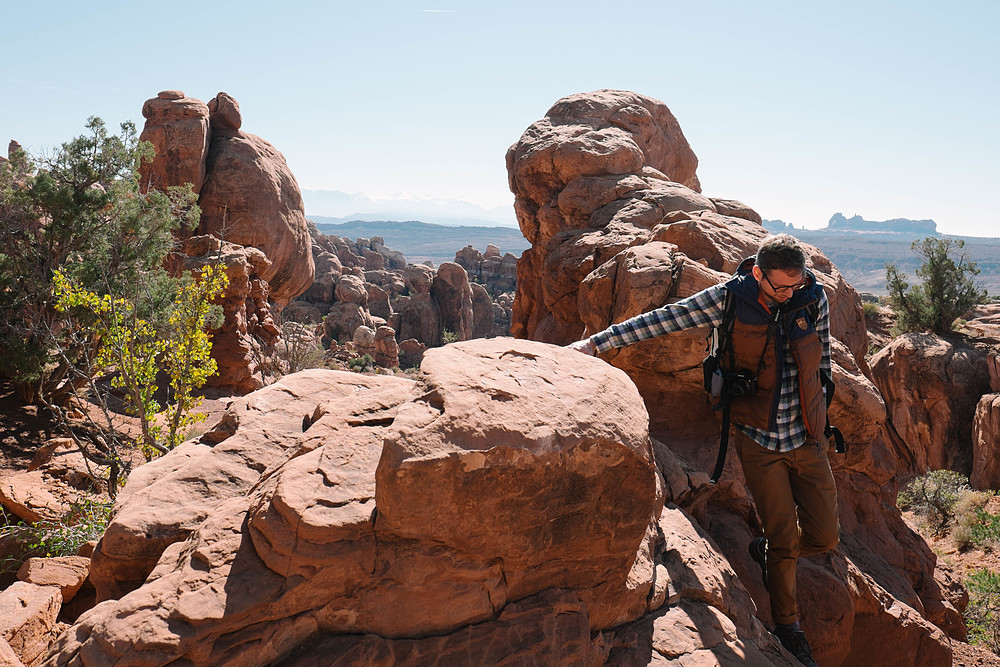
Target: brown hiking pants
[[796, 499]]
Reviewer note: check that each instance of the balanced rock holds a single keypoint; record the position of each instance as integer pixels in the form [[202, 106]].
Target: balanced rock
[[224, 113], [178, 128]]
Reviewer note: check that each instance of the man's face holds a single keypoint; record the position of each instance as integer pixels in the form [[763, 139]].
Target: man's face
[[779, 284]]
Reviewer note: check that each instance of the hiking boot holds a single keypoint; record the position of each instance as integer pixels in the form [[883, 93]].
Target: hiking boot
[[795, 643], [758, 551]]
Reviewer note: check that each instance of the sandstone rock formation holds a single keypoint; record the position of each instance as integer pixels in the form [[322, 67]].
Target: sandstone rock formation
[[67, 572], [257, 432], [932, 386], [348, 312], [248, 328], [496, 273], [248, 197], [453, 295], [420, 317], [605, 171], [386, 348], [416, 302], [464, 539], [618, 229], [178, 128], [986, 444]]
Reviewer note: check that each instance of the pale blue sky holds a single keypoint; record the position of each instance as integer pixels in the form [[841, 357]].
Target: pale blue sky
[[886, 109]]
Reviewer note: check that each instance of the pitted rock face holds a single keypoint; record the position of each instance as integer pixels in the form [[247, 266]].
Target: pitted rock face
[[178, 128], [931, 387], [605, 191], [550, 511]]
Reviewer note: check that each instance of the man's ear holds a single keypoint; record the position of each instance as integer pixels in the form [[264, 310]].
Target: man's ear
[[757, 273]]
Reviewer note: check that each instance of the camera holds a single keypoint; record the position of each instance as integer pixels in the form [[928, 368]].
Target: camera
[[742, 383]]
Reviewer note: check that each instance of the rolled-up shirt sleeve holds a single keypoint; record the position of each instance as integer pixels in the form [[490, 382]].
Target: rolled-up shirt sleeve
[[703, 309]]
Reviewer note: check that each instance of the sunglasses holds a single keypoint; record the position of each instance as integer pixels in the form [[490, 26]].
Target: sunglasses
[[783, 288]]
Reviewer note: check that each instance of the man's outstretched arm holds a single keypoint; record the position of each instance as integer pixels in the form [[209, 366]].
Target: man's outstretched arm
[[703, 309]]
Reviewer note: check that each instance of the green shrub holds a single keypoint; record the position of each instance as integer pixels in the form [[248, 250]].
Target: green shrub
[[86, 520], [299, 348], [947, 290], [448, 336], [983, 613], [934, 496], [871, 311], [362, 363]]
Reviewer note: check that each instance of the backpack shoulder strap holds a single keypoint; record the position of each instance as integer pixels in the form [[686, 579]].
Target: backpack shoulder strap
[[725, 330]]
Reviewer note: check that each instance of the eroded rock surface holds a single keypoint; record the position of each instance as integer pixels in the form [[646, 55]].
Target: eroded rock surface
[[459, 539], [932, 386], [178, 128], [986, 444], [617, 230], [167, 499]]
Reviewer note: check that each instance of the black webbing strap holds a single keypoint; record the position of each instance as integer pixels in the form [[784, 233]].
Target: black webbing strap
[[726, 329], [720, 462], [831, 431]]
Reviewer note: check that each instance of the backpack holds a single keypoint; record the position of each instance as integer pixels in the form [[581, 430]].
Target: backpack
[[724, 384]]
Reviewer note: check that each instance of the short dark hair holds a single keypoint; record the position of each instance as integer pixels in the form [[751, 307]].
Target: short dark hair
[[781, 251]]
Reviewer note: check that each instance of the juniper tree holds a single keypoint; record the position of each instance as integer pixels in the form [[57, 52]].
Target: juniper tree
[[948, 289], [79, 211]]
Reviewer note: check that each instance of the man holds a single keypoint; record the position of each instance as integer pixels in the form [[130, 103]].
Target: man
[[779, 425]]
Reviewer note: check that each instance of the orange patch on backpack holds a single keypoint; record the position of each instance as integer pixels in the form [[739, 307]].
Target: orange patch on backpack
[[802, 323]]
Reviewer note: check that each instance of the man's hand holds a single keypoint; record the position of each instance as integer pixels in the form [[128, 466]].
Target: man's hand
[[584, 346]]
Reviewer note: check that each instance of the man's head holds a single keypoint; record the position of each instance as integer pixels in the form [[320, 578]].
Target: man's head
[[780, 267]]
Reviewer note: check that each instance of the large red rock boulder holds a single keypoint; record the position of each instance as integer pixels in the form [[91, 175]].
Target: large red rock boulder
[[453, 295], [67, 572], [540, 535], [251, 197], [28, 615], [931, 386], [614, 236], [164, 501], [178, 128]]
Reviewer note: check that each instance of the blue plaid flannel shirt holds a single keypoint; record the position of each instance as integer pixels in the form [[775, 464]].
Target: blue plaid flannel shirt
[[704, 309]]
